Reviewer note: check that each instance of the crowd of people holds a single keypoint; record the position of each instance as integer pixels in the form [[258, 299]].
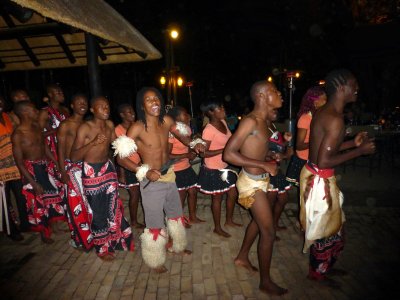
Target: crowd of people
[[60, 168]]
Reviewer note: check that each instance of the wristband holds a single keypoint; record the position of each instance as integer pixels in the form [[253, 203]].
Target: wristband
[[142, 171], [182, 128], [193, 143]]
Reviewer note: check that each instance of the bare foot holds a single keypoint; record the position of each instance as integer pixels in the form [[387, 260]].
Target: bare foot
[[222, 233], [245, 264], [160, 270], [328, 282], [138, 225], [196, 220], [337, 272], [107, 257], [233, 224], [273, 289], [279, 228]]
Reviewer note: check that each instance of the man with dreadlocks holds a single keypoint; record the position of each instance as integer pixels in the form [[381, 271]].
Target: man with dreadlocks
[[149, 136], [321, 201]]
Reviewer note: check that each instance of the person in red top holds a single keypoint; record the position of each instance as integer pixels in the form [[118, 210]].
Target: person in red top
[[127, 178], [186, 178], [313, 99], [216, 134], [52, 115]]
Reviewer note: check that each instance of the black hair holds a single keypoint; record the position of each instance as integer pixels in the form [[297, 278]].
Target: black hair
[[78, 95], [335, 79], [20, 107], [175, 112], [96, 98], [122, 107], [209, 105], [51, 86], [256, 88], [139, 105]]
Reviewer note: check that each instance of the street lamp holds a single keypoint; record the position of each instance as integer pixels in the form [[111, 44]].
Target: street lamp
[[170, 72], [290, 75]]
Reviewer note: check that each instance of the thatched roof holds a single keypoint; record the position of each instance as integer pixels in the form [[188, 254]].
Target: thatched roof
[[43, 42]]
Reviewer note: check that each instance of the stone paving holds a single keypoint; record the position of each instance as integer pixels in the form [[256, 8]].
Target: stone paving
[[33, 270]]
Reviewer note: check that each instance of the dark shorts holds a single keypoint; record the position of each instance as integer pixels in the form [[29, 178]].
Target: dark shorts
[[210, 181], [279, 183], [186, 179], [294, 169]]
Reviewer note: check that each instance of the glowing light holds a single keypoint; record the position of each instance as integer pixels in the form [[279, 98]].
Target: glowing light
[[239, 118], [321, 82], [269, 78], [179, 81], [297, 74], [174, 34], [163, 80]]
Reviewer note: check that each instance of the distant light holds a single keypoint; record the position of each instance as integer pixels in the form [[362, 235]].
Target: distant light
[[269, 79], [180, 81], [239, 117], [174, 34], [321, 82], [163, 80], [297, 74]]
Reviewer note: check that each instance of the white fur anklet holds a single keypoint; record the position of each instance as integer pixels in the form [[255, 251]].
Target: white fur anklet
[[178, 234], [141, 172], [124, 146], [193, 143], [182, 128], [153, 251]]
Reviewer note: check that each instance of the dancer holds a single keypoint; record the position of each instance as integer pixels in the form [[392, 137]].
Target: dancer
[[17, 96], [216, 134], [110, 229], [128, 178], [277, 191], [321, 201], [313, 99], [248, 148], [43, 192], [186, 178], [52, 115], [79, 212], [157, 179]]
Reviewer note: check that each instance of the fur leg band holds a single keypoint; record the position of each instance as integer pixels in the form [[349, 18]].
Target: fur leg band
[[153, 243], [177, 231]]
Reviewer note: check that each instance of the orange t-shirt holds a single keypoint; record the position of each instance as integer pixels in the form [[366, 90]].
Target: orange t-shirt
[[120, 130], [304, 122], [8, 168], [218, 141], [179, 148]]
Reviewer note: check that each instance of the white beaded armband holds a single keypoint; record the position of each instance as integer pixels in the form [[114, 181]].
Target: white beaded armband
[[124, 146], [182, 128], [141, 172], [193, 143]]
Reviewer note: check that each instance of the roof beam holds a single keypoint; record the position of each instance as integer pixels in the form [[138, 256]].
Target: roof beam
[[65, 47], [33, 30], [20, 39]]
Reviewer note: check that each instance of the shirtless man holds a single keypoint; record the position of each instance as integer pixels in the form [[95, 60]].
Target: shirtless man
[[52, 115], [248, 148], [43, 192], [321, 201], [156, 176], [17, 96], [78, 210], [110, 229]]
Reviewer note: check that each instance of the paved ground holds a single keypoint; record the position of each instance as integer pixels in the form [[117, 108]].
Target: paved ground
[[32, 270]]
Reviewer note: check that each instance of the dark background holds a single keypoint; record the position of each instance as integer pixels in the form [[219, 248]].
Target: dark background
[[225, 46]]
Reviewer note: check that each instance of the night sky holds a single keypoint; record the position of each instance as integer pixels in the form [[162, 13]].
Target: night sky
[[225, 46]]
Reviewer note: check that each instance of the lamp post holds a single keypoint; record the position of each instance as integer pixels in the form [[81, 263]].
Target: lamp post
[[172, 34], [292, 123]]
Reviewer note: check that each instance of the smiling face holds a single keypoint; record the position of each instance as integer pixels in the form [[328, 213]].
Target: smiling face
[[151, 104], [79, 105], [101, 108], [128, 114]]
